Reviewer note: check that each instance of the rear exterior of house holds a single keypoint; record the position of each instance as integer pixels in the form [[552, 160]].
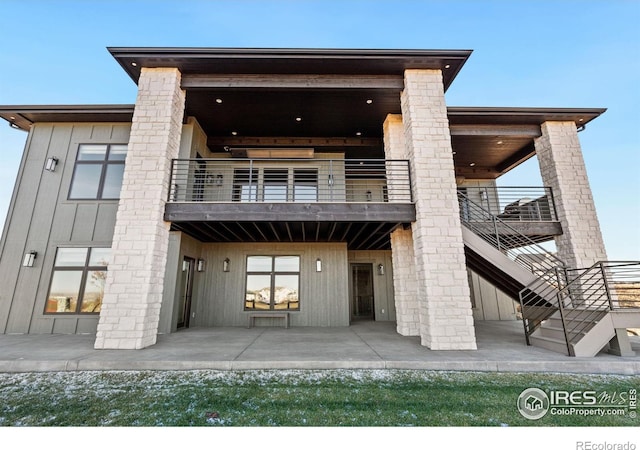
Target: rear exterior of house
[[288, 187]]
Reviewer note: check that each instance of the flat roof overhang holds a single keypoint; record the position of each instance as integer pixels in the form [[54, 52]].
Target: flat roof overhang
[[361, 226], [23, 116], [199, 60]]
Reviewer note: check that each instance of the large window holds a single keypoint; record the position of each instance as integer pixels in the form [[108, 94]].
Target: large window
[[77, 283], [272, 283], [275, 185], [98, 172]]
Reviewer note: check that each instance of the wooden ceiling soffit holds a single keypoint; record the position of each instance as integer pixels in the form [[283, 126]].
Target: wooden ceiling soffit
[[294, 141], [517, 158], [288, 81], [529, 131]]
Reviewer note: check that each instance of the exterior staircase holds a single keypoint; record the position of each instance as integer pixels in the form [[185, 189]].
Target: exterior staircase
[[571, 311]]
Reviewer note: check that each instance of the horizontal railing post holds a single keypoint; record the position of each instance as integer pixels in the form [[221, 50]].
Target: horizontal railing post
[[274, 180]]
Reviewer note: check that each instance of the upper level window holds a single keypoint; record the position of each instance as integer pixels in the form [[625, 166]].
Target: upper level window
[[275, 185], [78, 280], [98, 172]]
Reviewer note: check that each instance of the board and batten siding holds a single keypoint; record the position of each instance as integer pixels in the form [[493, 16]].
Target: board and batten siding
[[489, 302], [41, 218], [383, 296], [324, 296]]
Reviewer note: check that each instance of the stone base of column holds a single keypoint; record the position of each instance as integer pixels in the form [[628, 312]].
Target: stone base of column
[[405, 284]]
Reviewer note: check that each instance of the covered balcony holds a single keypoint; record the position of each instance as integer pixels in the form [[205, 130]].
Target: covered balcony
[[304, 199]]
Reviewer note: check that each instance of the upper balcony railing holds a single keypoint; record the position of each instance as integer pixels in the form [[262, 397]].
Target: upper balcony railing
[[290, 181], [522, 204]]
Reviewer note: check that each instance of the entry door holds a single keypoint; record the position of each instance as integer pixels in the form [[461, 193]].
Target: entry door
[[362, 292], [186, 291]]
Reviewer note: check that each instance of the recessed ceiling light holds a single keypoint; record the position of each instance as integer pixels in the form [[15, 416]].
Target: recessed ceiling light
[[581, 120], [218, 100], [358, 133], [235, 133], [298, 119], [472, 164], [134, 64], [12, 118], [454, 153], [447, 66], [369, 101], [499, 142]]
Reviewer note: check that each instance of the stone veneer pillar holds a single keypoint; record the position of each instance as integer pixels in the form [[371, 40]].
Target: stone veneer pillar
[[404, 269], [446, 321], [562, 168], [133, 293]]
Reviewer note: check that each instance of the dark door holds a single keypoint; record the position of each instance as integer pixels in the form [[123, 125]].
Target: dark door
[[362, 292], [186, 291]]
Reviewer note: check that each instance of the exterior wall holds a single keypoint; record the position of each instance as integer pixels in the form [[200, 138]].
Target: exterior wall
[[562, 167], [446, 321], [133, 295], [324, 300], [180, 245], [383, 296], [489, 302], [41, 218]]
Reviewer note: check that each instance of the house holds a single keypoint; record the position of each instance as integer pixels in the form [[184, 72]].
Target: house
[[308, 187]]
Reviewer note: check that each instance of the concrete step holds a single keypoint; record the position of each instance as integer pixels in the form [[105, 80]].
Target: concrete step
[[555, 345], [556, 332]]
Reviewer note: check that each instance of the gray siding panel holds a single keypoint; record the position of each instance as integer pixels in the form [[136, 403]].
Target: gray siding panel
[[105, 222], [324, 297], [84, 222], [383, 296], [41, 219]]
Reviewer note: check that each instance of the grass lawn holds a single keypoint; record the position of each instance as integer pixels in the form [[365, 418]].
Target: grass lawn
[[290, 398]]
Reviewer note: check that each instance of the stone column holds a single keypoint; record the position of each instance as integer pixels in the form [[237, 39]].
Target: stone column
[[562, 168], [446, 320], [404, 270], [133, 292]]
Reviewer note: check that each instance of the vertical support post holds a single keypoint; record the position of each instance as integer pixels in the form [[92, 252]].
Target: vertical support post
[[130, 312], [446, 319]]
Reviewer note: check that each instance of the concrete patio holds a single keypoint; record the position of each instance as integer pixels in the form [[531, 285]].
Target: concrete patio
[[365, 345]]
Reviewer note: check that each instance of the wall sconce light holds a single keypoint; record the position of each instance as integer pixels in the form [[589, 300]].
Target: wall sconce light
[[200, 265], [219, 179], [185, 265], [483, 195], [380, 269], [29, 258], [51, 164], [318, 265], [225, 265], [330, 181], [369, 196]]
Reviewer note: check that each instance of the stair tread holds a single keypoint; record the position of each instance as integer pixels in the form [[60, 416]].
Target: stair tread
[[549, 339], [551, 328]]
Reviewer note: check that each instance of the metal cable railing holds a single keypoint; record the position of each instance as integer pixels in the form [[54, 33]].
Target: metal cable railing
[[538, 298], [500, 234], [278, 180], [592, 292], [515, 203]]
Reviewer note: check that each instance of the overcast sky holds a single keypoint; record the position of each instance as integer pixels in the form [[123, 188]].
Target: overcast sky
[[538, 53]]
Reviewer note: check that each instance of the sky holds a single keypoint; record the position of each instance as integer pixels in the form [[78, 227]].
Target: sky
[[542, 53]]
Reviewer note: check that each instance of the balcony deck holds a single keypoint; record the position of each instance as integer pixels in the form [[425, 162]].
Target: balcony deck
[[291, 200]]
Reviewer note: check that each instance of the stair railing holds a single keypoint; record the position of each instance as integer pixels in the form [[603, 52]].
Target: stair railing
[[590, 293], [538, 300], [504, 237]]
